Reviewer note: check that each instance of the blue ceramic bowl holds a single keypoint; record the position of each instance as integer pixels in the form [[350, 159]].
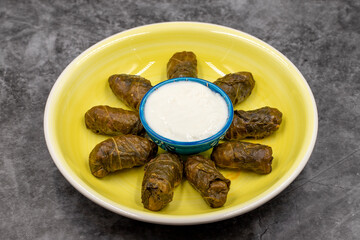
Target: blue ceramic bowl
[[187, 147]]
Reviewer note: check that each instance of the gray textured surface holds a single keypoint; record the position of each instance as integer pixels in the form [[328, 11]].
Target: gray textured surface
[[38, 39]]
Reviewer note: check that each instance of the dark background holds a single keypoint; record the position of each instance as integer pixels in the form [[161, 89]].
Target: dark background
[[39, 38]]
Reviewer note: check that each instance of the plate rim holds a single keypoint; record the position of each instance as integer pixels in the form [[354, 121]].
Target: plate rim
[[157, 218]]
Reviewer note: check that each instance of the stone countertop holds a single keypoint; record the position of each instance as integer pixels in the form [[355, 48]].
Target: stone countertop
[[38, 40]]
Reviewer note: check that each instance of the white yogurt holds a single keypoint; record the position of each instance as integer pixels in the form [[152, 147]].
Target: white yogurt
[[185, 111]]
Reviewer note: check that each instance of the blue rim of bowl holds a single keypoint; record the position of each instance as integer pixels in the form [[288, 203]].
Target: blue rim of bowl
[[213, 88]]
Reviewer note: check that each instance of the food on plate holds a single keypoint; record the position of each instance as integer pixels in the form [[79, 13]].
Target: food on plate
[[243, 155], [237, 86], [162, 175], [113, 121], [206, 179], [256, 124], [129, 88], [185, 111], [119, 152], [182, 64]]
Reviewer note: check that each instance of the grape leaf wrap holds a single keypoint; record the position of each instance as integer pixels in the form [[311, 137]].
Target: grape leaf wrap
[[256, 124], [237, 86], [182, 64], [243, 155], [206, 179], [116, 153], [113, 121], [129, 88], [162, 175]]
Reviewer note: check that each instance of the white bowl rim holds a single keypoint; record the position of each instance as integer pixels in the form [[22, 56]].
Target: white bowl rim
[[161, 218]]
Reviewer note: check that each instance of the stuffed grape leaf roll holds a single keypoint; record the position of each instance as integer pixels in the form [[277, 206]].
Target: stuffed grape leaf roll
[[116, 153], [206, 179], [182, 64], [129, 88], [256, 124], [162, 175], [243, 155], [113, 121], [237, 86]]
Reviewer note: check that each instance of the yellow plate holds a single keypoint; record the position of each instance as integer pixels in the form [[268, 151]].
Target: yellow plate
[[145, 51]]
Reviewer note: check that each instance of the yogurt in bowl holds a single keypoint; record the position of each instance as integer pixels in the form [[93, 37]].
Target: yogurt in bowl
[[186, 115]]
